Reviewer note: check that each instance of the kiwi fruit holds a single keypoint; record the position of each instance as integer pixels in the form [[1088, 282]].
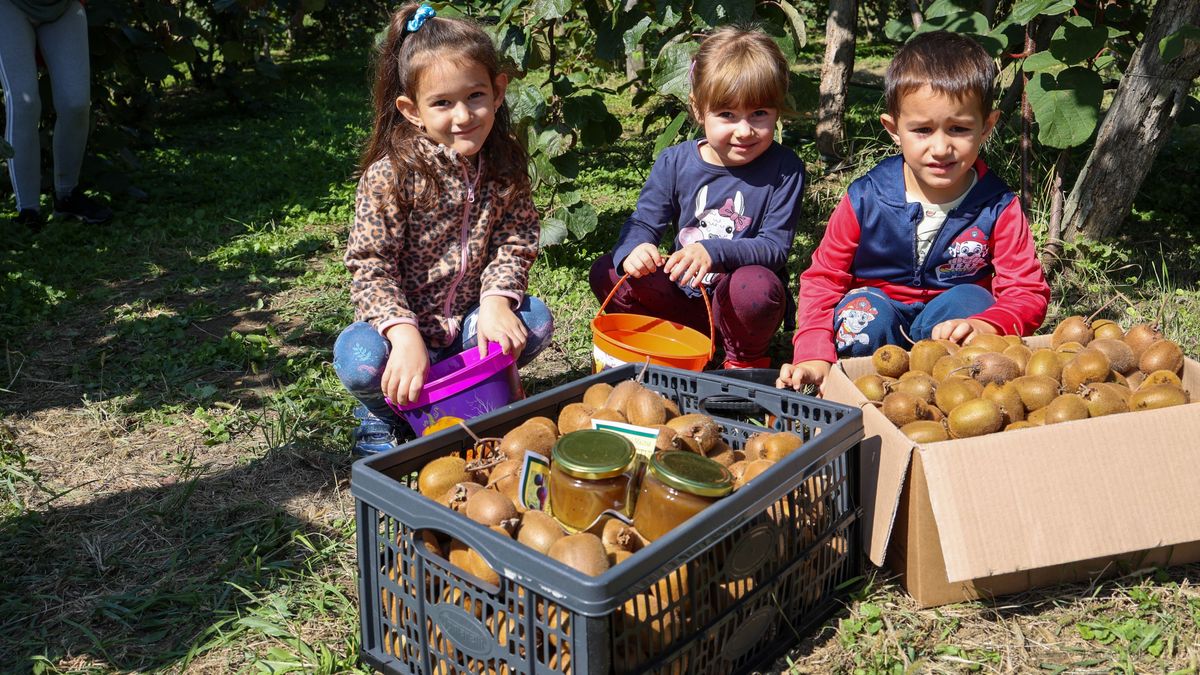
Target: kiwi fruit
[[584, 552], [1141, 336], [1106, 329], [901, 408], [505, 478], [672, 408], [469, 560], [1161, 377], [1036, 391], [1089, 365], [917, 383], [597, 394], [443, 473], [780, 444], [697, 432], [1008, 398], [621, 394], [528, 436], [1135, 379], [947, 365], [1157, 396], [993, 367], [1044, 362], [1023, 424], [971, 351], [890, 361], [1066, 408], [1037, 417], [738, 469], [645, 408], [976, 417], [871, 386], [954, 391], [1020, 354], [1072, 329], [539, 531], [546, 422], [575, 416], [489, 507], [1162, 355], [1103, 400], [925, 353], [925, 431], [754, 445], [1120, 356], [616, 535], [617, 556], [990, 343], [609, 414], [724, 455], [667, 439], [752, 471], [456, 497]]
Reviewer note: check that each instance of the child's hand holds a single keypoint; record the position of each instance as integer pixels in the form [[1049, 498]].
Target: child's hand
[[642, 260], [796, 375], [498, 323], [961, 330], [689, 264], [404, 375]]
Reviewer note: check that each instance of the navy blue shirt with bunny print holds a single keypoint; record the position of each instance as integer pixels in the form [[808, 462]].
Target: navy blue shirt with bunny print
[[741, 215]]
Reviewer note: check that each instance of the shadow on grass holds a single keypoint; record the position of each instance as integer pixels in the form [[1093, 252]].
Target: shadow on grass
[[239, 210], [151, 578]]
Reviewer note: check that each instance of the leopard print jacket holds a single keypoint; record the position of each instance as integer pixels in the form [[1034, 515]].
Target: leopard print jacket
[[429, 268]]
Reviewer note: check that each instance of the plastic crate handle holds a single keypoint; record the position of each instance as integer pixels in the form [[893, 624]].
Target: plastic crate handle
[[712, 334]]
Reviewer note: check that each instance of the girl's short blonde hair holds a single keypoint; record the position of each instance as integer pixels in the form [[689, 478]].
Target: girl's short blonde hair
[[736, 67]]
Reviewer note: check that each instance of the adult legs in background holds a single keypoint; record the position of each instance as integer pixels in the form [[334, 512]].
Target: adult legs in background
[[959, 302], [64, 47], [22, 104], [748, 307]]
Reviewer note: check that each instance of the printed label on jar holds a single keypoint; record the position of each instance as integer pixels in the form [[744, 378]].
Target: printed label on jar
[[643, 438], [535, 482]]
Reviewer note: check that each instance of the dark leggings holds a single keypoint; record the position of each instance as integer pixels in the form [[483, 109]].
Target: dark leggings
[[748, 304]]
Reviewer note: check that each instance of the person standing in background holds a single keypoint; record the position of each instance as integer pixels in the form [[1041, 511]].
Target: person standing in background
[[57, 30]]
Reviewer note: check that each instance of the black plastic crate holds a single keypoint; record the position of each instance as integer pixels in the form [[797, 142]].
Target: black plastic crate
[[728, 591]]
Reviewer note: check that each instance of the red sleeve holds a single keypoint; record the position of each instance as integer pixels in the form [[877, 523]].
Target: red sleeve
[[1019, 285], [823, 285]]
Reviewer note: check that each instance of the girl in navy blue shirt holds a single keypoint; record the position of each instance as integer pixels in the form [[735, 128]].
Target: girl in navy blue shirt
[[732, 199]]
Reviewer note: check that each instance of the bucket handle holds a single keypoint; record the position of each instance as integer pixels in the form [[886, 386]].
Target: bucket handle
[[712, 335]]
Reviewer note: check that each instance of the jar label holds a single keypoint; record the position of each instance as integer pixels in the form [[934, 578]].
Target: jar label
[[535, 482], [643, 438]]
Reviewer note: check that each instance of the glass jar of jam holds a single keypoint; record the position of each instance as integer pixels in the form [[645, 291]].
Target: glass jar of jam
[[590, 472], [677, 486]]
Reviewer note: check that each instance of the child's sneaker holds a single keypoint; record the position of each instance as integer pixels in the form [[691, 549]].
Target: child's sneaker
[[31, 219], [374, 435], [78, 205]]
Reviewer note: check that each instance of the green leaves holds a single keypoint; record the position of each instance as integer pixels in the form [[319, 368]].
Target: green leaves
[[551, 9], [672, 70], [667, 138], [525, 101], [1066, 105], [795, 21], [1172, 45], [1027, 10], [578, 220], [1077, 40]]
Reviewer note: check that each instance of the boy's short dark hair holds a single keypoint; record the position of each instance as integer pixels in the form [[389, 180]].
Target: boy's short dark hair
[[948, 63]]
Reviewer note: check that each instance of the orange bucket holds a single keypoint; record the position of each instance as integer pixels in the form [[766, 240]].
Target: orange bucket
[[636, 338]]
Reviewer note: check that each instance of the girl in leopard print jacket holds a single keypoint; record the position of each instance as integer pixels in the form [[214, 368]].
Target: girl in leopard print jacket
[[445, 230]]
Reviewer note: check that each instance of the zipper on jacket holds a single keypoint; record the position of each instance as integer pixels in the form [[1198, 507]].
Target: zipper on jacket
[[464, 235]]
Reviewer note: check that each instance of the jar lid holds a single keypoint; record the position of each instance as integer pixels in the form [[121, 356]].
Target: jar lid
[[692, 473], [592, 453]]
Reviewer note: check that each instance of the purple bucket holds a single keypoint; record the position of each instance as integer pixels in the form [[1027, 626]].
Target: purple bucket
[[460, 388]]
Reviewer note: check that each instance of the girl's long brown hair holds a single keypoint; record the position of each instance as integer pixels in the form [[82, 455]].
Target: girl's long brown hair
[[398, 68]]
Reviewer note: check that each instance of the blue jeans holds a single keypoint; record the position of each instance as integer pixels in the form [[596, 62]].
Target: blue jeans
[[361, 353], [866, 318]]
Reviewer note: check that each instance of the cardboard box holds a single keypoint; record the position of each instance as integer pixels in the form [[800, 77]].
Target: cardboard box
[[1007, 512]]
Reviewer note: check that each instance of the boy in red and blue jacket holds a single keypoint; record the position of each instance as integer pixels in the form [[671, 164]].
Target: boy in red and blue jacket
[[928, 244]]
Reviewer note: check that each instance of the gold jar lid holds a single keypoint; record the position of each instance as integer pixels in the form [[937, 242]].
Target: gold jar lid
[[592, 454], [692, 473]]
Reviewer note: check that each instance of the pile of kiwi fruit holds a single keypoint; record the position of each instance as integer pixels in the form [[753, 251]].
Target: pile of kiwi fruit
[[483, 486], [939, 391]]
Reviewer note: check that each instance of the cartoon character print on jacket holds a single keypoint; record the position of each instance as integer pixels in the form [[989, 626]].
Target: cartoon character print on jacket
[[719, 223], [968, 254], [852, 320]]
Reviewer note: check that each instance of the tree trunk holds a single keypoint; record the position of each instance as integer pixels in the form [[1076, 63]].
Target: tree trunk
[[835, 77], [915, 10], [1135, 128]]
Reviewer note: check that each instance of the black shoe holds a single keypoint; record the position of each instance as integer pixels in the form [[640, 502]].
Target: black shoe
[[78, 205], [30, 218]]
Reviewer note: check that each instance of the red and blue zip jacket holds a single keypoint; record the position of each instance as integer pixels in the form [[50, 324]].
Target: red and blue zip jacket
[[871, 242]]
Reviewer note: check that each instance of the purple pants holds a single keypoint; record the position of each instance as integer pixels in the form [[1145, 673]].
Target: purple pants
[[748, 304]]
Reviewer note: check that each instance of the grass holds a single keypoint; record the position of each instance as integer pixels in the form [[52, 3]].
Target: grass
[[174, 474]]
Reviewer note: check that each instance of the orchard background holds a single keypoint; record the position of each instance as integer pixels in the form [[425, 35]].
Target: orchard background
[[174, 456]]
